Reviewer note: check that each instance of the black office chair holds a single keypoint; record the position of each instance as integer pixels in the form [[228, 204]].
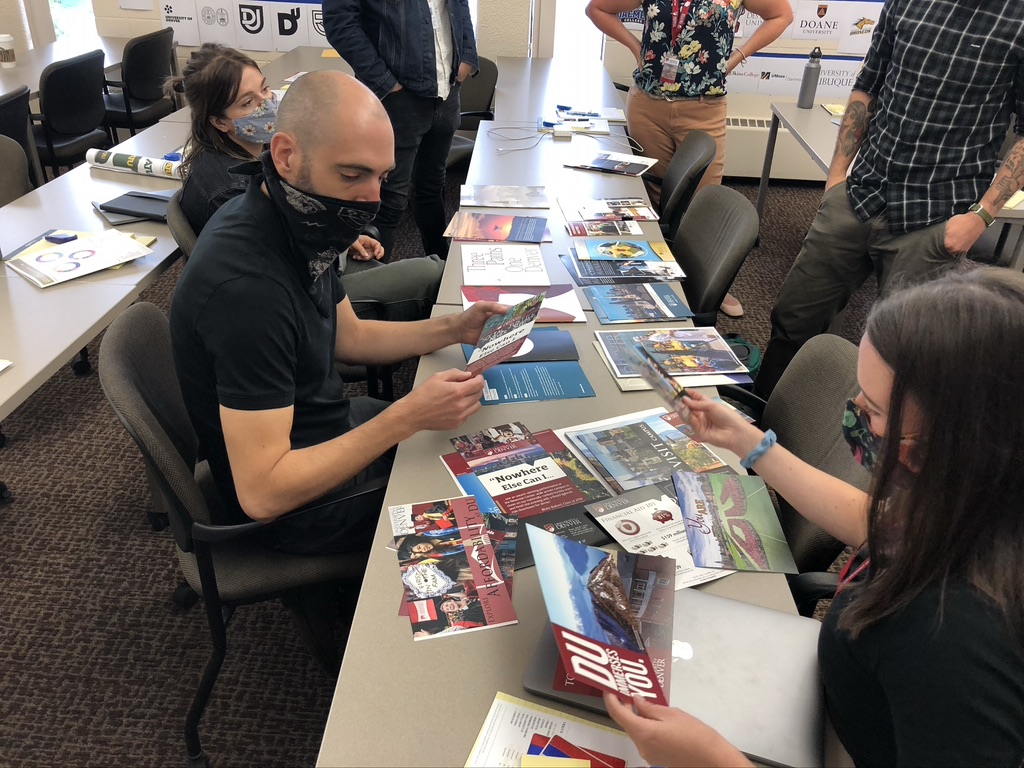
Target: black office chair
[[141, 102], [71, 110], [476, 99], [15, 124], [711, 243], [682, 177], [14, 181], [806, 410], [223, 563]]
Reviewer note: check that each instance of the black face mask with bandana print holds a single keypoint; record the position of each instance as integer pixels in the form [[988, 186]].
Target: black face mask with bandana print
[[322, 228]]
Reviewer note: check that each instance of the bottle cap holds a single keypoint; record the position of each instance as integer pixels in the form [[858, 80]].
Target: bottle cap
[[816, 53]]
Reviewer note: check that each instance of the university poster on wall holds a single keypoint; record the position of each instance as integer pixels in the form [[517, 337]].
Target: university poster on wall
[[251, 26]]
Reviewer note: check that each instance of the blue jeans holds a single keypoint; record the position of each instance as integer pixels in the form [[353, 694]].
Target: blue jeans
[[423, 128]]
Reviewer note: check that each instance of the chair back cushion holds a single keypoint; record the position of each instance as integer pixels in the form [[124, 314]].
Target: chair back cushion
[[139, 379], [713, 239], [181, 229], [71, 94], [14, 112], [806, 412], [477, 93], [147, 64], [691, 159], [14, 181]]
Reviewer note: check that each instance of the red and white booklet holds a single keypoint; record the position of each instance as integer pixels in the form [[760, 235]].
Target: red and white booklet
[[450, 571]]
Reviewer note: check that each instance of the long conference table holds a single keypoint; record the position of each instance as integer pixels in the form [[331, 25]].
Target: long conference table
[[405, 703]]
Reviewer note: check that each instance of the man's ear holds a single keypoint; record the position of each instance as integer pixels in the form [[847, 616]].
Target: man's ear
[[285, 152]]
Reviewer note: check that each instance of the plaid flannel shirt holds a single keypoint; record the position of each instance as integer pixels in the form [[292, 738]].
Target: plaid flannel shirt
[[946, 76]]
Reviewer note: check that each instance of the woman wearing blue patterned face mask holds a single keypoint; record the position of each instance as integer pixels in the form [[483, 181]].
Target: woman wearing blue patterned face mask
[[922, 651]]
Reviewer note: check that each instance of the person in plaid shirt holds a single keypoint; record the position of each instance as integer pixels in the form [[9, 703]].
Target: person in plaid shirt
[[928, 114]]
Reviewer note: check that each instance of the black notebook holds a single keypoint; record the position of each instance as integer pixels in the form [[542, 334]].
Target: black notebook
[[144, 205]]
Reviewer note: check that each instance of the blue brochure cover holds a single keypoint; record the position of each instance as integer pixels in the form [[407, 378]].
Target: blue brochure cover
[[636, 303], [535, 382]]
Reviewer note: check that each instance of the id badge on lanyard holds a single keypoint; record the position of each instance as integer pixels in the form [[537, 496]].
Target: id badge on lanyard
[[670, 64]]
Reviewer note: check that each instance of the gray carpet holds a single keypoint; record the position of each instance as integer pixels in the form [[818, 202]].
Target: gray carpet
[[96, 664]]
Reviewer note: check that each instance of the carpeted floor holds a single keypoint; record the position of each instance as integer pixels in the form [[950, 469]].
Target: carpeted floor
[[96, 664]]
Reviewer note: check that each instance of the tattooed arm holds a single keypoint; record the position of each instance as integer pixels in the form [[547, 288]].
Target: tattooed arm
[[963, 230], [852, 131]]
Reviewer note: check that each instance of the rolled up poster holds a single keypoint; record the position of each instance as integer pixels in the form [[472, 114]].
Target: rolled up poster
[[123, 162]]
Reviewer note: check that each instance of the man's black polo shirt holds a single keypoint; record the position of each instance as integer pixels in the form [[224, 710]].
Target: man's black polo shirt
[[248, 336]]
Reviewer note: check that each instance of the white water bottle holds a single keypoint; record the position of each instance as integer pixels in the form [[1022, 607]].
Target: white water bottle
[[6, 51], [809, 83]]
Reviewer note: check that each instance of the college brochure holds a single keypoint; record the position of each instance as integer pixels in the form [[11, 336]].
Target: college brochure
[[611, 613], [637, 383], [637, 303], [640, 449], [570, 523], [611, 228], [517, 731], [494, 196], [680, 351], [503, 264], [45, 263], [608, 209], [503, 335], [614, 162], [452, 581], [516, 469], [542, 345], [496, 227], [560, 305], [590, 272], [731, 523], [647, 521], [514, 382], [622, 250]]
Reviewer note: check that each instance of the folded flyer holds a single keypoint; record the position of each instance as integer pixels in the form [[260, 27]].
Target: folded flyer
[[503, 335], [452, 581], [636, 303], [611, 613], [560, 305], [647, 521]]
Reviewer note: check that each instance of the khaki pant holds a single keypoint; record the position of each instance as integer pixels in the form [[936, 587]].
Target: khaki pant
[[660, 125], [838, 254]]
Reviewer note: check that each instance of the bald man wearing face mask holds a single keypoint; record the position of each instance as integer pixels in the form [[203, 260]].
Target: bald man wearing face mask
[[259, 318]]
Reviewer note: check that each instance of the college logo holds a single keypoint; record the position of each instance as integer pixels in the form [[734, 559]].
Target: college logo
[[213, 16], [318, 22], [628, 527], [288, 22], [766, 75], [251, 18], [822, 10]]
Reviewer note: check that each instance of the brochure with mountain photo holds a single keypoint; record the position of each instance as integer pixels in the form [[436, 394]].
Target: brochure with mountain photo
[[732, 523], [497, 227], [611, 614]]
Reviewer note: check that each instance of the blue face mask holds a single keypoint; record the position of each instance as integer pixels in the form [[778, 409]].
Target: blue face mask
[[259, 126]]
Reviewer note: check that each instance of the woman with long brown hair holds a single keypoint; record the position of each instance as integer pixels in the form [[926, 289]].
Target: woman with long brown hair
[[922, 651]]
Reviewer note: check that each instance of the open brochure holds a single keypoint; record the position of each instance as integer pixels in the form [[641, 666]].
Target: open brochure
[[732, 523], [611, 613], [450, 571], [45, 263], [515, 731], [560, 305]]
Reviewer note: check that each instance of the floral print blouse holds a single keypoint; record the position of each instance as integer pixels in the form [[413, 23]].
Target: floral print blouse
[[703, 48]]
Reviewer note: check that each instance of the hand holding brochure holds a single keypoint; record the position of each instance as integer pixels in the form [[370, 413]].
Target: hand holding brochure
[[503, 335]]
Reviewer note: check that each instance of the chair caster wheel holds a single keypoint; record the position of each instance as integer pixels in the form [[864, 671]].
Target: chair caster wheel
[[157, 521], [202, 761], [81, 367], [185, 597]]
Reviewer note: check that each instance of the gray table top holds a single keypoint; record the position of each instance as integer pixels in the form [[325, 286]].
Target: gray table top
[[45, 328], [389, 683], [31, 64], [531, 88]]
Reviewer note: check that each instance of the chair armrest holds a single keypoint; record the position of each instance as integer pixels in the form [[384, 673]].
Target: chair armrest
[[214, 534], [483, 114], [744, 397], [371, 231], [808, 588], [36, 118], [115, 83]]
